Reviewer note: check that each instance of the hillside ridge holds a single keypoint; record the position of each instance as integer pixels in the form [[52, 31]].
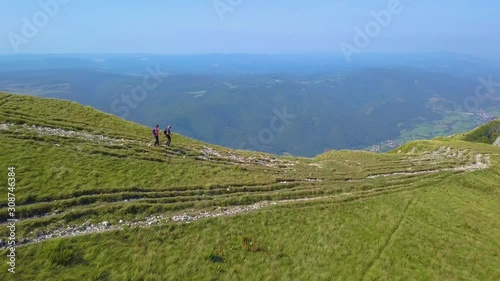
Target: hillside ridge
[[86, 180], [467, 162]]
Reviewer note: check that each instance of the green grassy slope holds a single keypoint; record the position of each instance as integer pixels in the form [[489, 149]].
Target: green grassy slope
[[427, 211], [487, 133]]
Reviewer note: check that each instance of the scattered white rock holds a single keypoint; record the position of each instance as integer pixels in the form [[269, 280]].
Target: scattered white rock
[[497, 142], [313, 179], [69, 133], [210, 154], [6, 126], [87, 228], [479, 164]]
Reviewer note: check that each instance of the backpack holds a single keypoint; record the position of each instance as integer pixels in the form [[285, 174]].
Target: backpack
[[153, 132], [165, 132]]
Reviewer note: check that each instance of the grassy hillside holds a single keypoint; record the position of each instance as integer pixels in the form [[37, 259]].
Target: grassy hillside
[[129, 211], [487, 133]]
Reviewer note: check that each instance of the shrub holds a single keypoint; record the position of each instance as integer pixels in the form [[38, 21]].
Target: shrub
[[251, 245]]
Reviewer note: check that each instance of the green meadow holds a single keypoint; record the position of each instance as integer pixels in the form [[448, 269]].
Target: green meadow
[[429, 210]]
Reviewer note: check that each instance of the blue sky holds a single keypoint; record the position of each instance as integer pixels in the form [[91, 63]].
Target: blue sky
[[247, 26]]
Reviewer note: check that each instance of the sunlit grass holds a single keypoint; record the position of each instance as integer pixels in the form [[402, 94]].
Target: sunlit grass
[[436, 226]]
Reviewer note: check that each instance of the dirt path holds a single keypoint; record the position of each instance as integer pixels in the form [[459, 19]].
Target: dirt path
[[479, 164], [88, 228], [205, 153]]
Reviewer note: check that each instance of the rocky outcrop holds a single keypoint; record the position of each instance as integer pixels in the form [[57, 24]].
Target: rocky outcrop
[[497, 142]]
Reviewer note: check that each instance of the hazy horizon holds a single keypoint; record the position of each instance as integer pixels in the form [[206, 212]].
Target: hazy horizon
[[250, 27]]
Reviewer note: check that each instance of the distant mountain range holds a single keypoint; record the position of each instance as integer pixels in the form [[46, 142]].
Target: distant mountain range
[[298, 104]]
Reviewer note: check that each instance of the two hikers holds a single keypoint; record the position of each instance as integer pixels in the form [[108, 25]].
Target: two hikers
[[166, 132]]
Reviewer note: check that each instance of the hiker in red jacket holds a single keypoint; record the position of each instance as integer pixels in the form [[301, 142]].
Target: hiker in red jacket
[[167, 134], [155, 133]]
